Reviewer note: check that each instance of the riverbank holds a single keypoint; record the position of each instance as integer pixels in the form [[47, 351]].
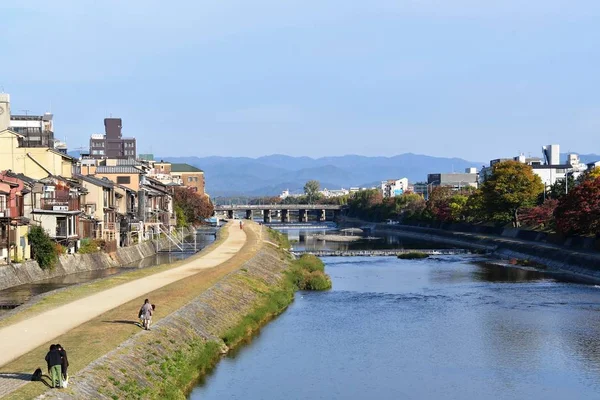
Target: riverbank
[[167, 361], [105, 332], [579, 265], [30, 272]]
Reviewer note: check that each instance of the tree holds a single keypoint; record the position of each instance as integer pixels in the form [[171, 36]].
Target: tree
[[438, 204], [511, 187], [579, 211], [43, 247], [558, 190], [540, 216], [474, 210], [311, 189], [195, 207], [457, 204]]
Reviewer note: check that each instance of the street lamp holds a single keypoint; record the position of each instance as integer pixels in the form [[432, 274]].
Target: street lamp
[[431, 184]]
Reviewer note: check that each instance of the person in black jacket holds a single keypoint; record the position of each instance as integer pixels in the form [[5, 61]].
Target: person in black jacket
[[65, 361], [54, 361]]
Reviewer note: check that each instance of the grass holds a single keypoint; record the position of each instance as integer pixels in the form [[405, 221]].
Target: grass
[[413, 255], [97, 337], [73, 293], [308, 273]]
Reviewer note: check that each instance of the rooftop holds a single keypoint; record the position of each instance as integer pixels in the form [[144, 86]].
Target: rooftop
[[184, 168], [120, 169]]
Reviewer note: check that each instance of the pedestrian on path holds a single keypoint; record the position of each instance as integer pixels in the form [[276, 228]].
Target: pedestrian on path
[[64, 363], [54, 361], [241, 225], [146, 314]]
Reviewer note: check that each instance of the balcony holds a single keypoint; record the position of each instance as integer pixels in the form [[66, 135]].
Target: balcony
[[60, 204]]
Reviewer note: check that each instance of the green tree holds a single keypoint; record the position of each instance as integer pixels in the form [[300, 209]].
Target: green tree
[[311, 189], [43, 247], [511, 187], [457, 204]]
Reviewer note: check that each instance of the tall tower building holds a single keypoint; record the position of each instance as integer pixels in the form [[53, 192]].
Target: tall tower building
[[4, 111]]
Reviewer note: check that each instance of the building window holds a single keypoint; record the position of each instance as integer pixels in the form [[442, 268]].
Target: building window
[[123, 180]]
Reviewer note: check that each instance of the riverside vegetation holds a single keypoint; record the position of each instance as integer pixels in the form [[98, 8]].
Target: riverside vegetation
[[413, 255]]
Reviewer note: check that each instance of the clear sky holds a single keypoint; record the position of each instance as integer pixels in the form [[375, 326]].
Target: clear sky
[[466, 78]]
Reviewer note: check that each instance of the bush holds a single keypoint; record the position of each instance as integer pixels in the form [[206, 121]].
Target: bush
[[308, 273], [43, 247], [413, 255], [89, 246]]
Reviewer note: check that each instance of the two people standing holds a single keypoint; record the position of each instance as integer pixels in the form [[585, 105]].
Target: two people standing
[[57, 365], [145, 314]]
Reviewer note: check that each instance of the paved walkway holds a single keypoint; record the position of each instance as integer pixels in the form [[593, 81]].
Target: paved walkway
[[31, 333]]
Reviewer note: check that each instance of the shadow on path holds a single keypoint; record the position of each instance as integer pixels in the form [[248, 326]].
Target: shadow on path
[[124, 321], [15, 375]]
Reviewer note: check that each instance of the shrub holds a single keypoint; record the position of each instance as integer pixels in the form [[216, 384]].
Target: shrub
[[43, 247], [413, 255], [89, 246], [308, 273]]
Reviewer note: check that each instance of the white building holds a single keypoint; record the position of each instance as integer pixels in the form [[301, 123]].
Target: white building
[[549, 169], [327, 193], [394, 187]]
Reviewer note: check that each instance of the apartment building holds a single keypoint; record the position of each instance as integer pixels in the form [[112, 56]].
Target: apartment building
[[112, 144]]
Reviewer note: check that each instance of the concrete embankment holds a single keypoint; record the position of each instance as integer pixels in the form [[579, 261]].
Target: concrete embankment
[[164, 362], [582, 265], [30, 271]]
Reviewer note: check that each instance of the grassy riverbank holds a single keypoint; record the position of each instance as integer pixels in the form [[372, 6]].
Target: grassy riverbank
[[99, 336]]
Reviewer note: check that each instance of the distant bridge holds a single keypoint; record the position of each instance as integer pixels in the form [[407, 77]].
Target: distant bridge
[[283, 210]]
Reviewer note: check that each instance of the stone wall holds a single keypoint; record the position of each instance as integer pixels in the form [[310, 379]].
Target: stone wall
[[139, 366], [582, 265], [29, 271]]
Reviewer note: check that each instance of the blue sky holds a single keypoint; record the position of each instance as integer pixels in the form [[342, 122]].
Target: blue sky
[[466, 78]]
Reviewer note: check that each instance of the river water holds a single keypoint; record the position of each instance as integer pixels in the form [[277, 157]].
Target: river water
[[20, 294], [448, 327]]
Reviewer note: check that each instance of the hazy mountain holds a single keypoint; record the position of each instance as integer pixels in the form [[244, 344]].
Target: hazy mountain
[[269, 175]]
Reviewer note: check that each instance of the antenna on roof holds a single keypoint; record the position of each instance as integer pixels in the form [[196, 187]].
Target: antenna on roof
[[26, 112]]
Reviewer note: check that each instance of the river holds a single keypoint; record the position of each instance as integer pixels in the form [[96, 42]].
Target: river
[[16, 295], [448, 327]]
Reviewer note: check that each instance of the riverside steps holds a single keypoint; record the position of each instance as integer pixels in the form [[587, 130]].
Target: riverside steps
[[378, 253]]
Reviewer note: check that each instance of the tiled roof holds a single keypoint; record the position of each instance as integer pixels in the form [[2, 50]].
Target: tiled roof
[[120, 169]]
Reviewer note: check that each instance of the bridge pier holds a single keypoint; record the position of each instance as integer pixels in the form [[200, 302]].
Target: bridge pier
[[302, 216], [336, 214], [249, 214], [229, 214], [322, 217], [285, 216], [267, 216]]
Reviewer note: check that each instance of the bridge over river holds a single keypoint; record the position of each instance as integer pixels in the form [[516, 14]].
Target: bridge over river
[[322, 211]]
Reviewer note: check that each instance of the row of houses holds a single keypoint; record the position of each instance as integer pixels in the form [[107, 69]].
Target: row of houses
[[117, 200]]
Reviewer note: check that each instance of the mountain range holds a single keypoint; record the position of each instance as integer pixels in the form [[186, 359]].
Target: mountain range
[[270, 175]]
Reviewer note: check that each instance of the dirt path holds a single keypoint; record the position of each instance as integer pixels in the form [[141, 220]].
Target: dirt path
[[24, 336]]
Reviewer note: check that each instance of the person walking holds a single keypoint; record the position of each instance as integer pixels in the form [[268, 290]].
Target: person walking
[[64, 364], [241, 225], [54, 361], [146, 314]]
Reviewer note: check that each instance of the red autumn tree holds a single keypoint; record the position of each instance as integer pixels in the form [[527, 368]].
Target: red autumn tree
[[578, 213], [193, 206], [542, 215], [438, 205]]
